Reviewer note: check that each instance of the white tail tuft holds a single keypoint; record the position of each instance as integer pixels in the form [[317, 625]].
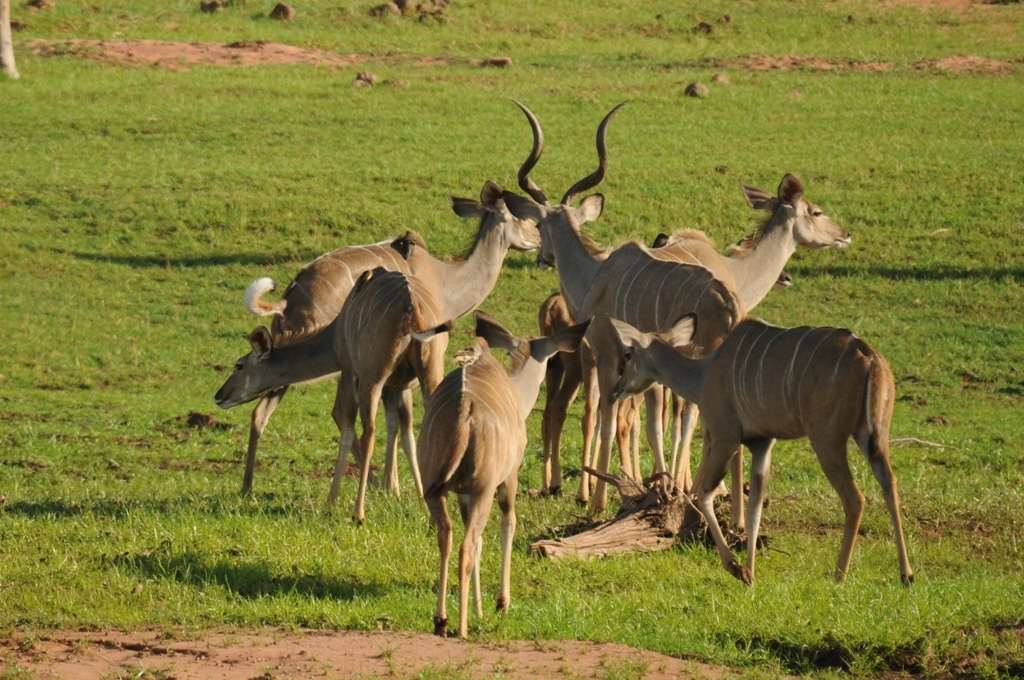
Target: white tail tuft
[[258, 289]]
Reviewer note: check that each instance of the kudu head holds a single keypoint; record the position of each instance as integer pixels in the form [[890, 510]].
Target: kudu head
[[529, 355], [549, 216], [809, 226], [517, 234], [248, 381], [637, 369]]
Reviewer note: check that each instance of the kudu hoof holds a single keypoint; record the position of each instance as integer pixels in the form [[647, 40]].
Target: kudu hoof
[[358, 521], [740, 572], [440, 627], [502, 605], [907, 580]]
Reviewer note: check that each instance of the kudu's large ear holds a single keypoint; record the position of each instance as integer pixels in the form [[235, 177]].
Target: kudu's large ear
[[629, 336], [523, 208], [590, 208], [262, 342], [790, 191], [466, 207], [681, 332], [490, 195], [660, 241], [491, 330], [758, 199], [569, 339]]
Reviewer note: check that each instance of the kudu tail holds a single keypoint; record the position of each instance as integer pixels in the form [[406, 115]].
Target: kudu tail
[[457, 441], [256, 290], [878, 404]]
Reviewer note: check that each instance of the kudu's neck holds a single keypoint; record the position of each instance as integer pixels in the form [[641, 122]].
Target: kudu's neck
[[307, 359], [465, 284], [757, 272], [577, 267], [527, 383], [678, 372]]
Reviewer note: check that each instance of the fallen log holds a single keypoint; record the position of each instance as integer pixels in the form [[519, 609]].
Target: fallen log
[[654, 516]]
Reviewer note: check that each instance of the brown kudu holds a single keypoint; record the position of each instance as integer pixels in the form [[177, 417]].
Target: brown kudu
[[315, 296], [766, 383], [472, 442], [630, 284], [381, 316]]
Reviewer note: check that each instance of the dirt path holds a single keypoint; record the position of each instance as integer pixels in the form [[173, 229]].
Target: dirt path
[[268, 654], [178, 56]]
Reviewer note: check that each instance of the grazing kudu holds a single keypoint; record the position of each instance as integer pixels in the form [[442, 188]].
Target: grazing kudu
[[314, 298], [382, 314], [630, 284], [766, 383], [472, 442]]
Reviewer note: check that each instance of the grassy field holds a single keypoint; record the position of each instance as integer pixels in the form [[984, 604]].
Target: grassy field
[[136, 204]]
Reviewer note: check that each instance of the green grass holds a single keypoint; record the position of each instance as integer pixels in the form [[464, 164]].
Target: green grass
[[136, 204]]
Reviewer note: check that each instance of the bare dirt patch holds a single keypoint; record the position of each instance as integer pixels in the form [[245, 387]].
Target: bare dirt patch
[[962, 63], [171, 54], [788, 62], [224, 655]]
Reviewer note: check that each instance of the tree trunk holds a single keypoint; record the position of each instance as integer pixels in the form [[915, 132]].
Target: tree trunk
[[6, 42]]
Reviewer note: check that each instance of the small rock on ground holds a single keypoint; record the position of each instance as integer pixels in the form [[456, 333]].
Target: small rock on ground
[[720, 79], [698, 89], [499, 62], [283, 12]]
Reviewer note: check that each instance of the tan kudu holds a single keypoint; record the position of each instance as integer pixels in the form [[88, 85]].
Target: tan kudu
[[630, 284], [315, 296], [382, 314], [472, 441], [753, 267], [766, 383], [565, 375]]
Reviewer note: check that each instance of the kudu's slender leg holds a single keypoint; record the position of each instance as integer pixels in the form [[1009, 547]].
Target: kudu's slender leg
[[655, 401], [634, 440], [831, 451], [260, 417], [556, 409], [710, 474], [438, 507], [344, 413], [880, 467], [736, 479], [589, 424], [369, 399], [465, 501], [409, 438], [599, 501], [478, 514], [760, 461], [392, 403], [507, 504]]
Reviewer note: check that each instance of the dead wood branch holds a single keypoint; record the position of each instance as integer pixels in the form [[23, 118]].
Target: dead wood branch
[[653, 516]]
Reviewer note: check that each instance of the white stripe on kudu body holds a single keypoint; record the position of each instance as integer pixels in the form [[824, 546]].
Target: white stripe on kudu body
[[845, 390]]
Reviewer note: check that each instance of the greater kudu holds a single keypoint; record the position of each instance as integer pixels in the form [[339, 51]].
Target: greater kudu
[[472, 441], [766, 383], [315, 296], [382, 314], [630, 284]]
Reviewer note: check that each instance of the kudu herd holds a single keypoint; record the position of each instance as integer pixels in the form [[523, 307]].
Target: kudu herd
[[668, 322]]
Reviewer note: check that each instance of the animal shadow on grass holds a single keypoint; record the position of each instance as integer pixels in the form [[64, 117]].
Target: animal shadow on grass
[[213, 260], [952, 273], [246, 578], [116, 508]]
